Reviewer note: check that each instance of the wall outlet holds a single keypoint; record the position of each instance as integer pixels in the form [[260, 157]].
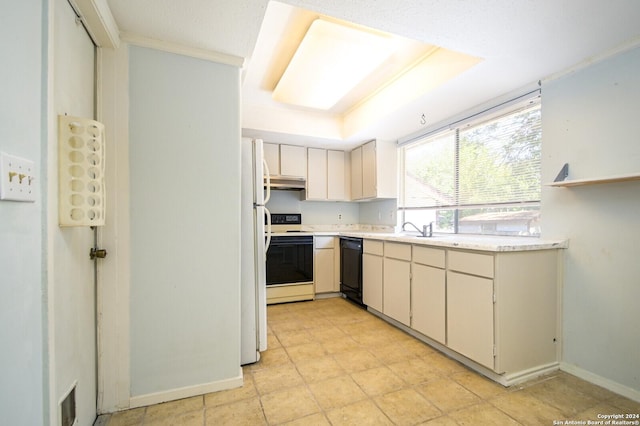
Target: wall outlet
[[17, 179]]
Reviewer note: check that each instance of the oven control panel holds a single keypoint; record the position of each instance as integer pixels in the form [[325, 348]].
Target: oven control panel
[[286, 218]]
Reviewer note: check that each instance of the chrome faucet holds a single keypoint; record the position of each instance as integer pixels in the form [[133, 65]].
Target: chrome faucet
[[425, 228]]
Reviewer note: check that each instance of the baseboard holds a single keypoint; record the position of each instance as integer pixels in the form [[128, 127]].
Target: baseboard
[[185, 392], [529, 374], [506, 380], [609, 384], [328, 295]]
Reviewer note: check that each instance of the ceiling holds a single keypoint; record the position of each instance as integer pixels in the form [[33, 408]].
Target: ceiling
[[520, 42]]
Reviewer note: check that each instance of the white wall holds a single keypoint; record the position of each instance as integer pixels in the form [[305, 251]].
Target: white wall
[[185, 226], [22, 285], [313, 212], [591, 120], [380, 212]]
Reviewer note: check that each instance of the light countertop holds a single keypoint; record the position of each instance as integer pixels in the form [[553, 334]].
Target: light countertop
[[469, 242]]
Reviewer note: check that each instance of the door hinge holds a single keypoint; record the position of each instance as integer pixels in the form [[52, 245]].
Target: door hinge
[[494, 298], [495, 351]]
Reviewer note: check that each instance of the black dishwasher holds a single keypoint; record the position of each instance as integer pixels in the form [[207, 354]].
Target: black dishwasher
[[351, 268]]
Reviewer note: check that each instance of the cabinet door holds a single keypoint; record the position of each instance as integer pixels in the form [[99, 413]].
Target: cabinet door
[[271, 153], [428, 301], [335, 175], [369, 170], [372, 281], [356, 173], [470, 317], [396, 290], [324, 270], [316, 174], [293, 161]]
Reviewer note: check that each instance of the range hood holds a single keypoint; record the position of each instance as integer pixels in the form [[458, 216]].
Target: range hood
[[291, 183]]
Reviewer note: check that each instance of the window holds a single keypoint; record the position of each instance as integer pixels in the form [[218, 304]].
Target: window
[[479, 178]]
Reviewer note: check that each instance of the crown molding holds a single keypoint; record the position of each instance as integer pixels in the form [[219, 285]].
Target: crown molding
[[180, 49]]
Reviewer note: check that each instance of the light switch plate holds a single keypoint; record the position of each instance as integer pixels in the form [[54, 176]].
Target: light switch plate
[[17, 178]]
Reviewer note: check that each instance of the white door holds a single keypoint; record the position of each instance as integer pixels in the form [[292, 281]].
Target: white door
[[72, 331]]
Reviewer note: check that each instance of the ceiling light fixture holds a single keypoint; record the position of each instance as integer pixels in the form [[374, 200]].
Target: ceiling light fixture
[[329, 62]]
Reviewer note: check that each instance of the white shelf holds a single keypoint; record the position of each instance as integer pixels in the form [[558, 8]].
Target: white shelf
[[595, 181]]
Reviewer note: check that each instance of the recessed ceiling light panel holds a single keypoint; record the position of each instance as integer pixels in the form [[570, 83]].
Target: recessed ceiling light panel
[[330, 61]]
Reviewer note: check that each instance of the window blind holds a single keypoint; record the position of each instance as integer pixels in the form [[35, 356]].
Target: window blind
[[483, 177], [499, 160]]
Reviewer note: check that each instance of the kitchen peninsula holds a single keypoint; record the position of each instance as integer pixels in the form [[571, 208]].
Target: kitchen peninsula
[[492, 303]]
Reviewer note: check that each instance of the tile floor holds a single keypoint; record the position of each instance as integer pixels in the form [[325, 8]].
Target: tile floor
[[332, 363]]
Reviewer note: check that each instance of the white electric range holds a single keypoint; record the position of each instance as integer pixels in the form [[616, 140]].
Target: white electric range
[[289, 260]]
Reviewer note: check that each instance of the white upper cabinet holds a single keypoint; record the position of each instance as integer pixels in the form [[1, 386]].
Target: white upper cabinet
[[271, 153], [369, 169], [356, 173], [285, 160], [317, 174], [293, 160], [336, 175], [326, 175], [373, 171]]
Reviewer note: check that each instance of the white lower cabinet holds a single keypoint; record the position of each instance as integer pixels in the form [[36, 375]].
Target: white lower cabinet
[[325, 265], [396, 290], [428, 301], [470, 316], [429, 292], [502, 309], [497, 309], [396, 280], [372, 274]]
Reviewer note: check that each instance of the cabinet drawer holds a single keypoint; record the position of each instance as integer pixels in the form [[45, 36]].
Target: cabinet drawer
[[428, 256], [324, 242], [471, 263], [397, 251], [373, 247]]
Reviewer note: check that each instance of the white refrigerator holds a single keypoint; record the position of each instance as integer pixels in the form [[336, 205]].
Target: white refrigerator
[[255, 237]]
